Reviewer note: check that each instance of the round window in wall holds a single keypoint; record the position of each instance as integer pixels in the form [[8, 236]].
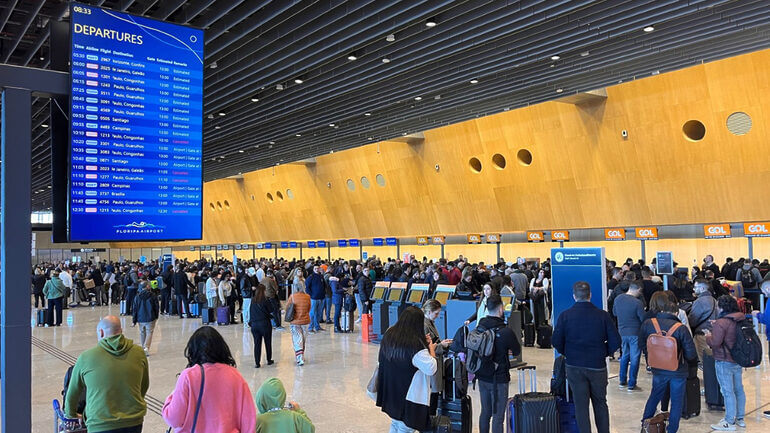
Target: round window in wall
[[227, 204], [380, 179], [269, 197], [524, 156], [739, 123], [365, 182], [290, 194], [279, 194], [219, 205], [498, 161], [351, 185], [475, 165], [694, 130]]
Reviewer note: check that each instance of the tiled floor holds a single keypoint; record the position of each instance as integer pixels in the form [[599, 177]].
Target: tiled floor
[[330, 387]]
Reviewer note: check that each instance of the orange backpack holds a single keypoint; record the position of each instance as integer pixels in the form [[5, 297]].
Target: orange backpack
[[662, 348]]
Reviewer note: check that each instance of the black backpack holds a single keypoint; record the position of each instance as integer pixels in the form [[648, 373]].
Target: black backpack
[[747, 279], [82, 399], [747, 350]]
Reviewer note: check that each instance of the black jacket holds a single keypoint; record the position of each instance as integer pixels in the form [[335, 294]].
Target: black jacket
[[585, 335], [145, 307], [38, 282], [497, 369], [96, 275], [685, 344], [181, 283], [260, 313]]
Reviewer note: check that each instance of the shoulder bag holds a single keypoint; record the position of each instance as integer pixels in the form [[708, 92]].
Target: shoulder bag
[[197, 405], [289, 316]]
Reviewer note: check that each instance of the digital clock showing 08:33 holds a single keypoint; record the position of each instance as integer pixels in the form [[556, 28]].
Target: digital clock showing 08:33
[[81, 10]]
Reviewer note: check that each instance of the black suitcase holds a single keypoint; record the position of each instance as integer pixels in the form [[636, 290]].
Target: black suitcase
[[455, 378], [207, 315], [459, 412], [173, 306], [544, 333], [532, 411], [691, 406], [42, 317], [714, 399], [529, 334], [443, 425]]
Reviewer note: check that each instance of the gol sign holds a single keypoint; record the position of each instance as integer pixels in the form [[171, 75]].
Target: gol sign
[[535, 237], [438, 240], [716, 231], [647, 233], [559, 235], [422, 240], [615, 234], [474, 239], [756, 230], [493, 238]]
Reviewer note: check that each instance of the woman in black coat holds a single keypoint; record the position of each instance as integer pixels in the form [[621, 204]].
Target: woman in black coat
[[38, 282], [260, 312]]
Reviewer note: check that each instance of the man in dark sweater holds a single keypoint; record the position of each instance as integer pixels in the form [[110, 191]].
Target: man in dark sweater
[[494, 376], [315, 288], [586, 336], [629, 310], [648, 286]]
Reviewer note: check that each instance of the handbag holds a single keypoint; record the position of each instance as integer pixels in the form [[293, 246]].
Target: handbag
[[374, 384], [289, 316], [656, 424], [197, 405]]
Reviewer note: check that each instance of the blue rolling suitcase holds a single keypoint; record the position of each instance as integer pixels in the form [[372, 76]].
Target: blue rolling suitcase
[[223, 315], [207, 315]]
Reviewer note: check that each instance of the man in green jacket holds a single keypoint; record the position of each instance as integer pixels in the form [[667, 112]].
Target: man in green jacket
[[273, 417], [115, 376]]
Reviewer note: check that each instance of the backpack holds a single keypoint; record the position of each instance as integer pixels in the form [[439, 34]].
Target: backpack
[[747, 350], [480, 345], [161, 283], [747, 279], [82, 399], [662, 348]]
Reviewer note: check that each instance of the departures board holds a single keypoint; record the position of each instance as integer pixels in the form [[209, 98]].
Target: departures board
[[136, 135]]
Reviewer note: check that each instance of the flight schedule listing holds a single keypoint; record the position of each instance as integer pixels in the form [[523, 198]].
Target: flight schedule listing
[[136, 128]]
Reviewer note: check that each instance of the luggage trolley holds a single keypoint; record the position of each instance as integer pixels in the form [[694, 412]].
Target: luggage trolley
[[395, 302], [443, 293], [380, 309], [62, 424]]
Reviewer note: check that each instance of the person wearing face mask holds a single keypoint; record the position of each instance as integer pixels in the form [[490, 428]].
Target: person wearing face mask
[[750, 277], [315, 287]]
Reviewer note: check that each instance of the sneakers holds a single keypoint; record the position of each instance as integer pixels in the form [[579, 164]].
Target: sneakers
[[622, 385], [358, 321], [146, 352], [740, 423], [311, 331], [300, 360], [634, 389], [766, 413], [722, 425]]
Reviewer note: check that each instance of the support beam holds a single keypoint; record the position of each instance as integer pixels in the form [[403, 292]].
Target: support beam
[[306, 161], [582, 98], [43, 82], [30, 18], [417, 138], [15, 237]]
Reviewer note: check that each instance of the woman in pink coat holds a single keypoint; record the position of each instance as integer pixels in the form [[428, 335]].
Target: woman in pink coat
[[225, 405]]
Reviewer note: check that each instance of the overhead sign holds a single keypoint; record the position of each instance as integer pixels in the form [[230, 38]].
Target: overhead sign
[[321, 244], [391, 242], [238, 246], [570, 265], [284, 244], [136, 128], [494, 238], [535, 237], [615, 234], [758, 230], [474, 239], [268, 245], [311, 244], [716, 231], [378, 242], [664, 263], [560, 235], [647, 233], [422, 240], [245, 246], [192, 248], [292, 245], [88, 250], [354, 242], [260, 245], [438, 240], [342, 243]]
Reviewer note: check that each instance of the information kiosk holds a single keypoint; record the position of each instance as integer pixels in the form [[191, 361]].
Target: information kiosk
[[457, 312], [443, 293], [395, 302], [380, 309], [418, 294]]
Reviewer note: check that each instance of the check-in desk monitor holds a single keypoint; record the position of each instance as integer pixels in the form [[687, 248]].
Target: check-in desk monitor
[[380, 321], [379, 294], [395, 295], [418, 293], [396, 305], [443, 294]]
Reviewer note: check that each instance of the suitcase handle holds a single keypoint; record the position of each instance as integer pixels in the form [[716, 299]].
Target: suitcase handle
[[532, 378]]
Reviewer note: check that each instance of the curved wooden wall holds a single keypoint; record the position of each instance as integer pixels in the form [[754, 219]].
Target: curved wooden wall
[[583, 173]]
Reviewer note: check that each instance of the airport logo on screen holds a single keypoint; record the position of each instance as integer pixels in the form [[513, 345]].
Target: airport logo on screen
[[615, 234], [535, 237], [647, 233], [756, 230], [136, 128], [716, 231], [559, 235]]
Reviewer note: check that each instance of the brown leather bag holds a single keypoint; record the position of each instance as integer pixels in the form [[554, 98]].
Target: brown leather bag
[[656, 424], [662, 348]]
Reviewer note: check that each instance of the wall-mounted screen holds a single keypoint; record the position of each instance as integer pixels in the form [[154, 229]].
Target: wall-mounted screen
[[442, 297], [395, 295], [379, 293], [136, 133]]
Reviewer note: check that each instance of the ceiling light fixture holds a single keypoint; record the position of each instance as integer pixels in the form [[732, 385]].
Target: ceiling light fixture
[[367, 114], [299, 80], [272, 142], [217, 127], [298, 135], [559, 90], [210, 116], [213, 65], [555, 57], [44, 125], [385, 60], [585, 54], [222, 113], [370, 138], [241, 151], [254, 99], [474, 81], [352, 57], [332, 125], [279, 87], [649, 29], [390, 38], [431, 22], [418, 98], [437, 97]]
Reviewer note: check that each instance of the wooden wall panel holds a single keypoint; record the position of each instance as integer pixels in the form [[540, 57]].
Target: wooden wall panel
[[583, 174]]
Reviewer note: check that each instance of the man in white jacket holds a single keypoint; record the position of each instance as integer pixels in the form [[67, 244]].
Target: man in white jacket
[[66, 279]]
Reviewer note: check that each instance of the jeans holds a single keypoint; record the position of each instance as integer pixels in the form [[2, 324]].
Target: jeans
[[165, 297], [360, 305], [130, 295], [316, 314], [631, 354], [277, 307], [183, 306], [589, 385], [101, 295], [494, 398], [327, 310], [145, 334], [56, 304], [399, 427], [676, 386], [730, 378], [262, 331], [337, 311], [246, 311]]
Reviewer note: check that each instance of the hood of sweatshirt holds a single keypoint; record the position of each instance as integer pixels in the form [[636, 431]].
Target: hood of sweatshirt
[[116, 345], [271, 395]]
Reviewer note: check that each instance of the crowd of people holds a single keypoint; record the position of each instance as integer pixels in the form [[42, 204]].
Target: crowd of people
[[315, 292]]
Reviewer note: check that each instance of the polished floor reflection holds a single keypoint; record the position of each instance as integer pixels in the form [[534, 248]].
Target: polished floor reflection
[[330, 387]]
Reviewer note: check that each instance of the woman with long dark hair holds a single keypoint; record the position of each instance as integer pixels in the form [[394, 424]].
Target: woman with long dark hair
[[260, 313], [210, 394], [407, 360]]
